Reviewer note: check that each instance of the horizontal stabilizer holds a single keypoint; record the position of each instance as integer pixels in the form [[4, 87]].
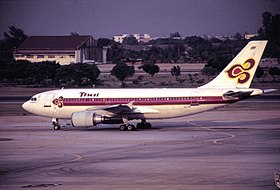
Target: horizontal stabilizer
[[240, 95]]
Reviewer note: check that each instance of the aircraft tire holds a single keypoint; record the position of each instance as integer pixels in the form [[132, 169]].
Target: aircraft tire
[[148, 125], [139, 126], [144, 125], [130, 127], [123, 128], [56, 127]]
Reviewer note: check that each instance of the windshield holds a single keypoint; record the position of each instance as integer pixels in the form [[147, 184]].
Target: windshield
[[33, 99]]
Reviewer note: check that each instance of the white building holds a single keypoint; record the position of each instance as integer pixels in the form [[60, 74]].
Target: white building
[[139, 37], [120, 38], [249, 36]]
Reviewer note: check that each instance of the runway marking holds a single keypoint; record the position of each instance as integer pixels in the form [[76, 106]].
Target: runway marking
[[53, 164], [78, 157], [215, 141]]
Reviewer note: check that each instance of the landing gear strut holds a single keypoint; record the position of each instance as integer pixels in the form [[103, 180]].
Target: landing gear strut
[[55, 123], [144, 125]]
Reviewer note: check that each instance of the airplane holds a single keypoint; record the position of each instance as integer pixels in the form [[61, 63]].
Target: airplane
[[90, 107]]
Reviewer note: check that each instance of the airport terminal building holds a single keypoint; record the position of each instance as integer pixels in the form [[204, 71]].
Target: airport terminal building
[[62, 49]]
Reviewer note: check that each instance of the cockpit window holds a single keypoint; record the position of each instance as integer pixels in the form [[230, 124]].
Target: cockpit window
[[33, 99]]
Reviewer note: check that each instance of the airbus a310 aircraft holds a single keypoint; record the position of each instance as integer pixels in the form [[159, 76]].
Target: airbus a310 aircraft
[[90, 107]]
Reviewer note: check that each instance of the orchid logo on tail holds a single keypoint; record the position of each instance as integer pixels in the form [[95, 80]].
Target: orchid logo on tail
[[240, 71]]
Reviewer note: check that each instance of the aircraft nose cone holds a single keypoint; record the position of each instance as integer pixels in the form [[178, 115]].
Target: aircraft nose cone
[[26, 106]]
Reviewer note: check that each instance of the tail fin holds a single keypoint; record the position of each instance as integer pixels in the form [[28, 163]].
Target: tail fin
[[240, 71]]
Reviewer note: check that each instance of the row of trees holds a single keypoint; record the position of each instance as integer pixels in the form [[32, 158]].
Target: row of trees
[[191, 49], [48, 73], [122, 71], [53, 74]]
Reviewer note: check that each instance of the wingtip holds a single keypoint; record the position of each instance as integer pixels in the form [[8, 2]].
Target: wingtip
[[130, 104], [269, 90]]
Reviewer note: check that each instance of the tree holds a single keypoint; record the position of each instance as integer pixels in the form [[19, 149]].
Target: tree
[[115, 53], [209, 71], [238, 36], [85, 74], [14, 37], [218, 63], [80, 74], [74, 34], [178, 50], [273, 71], [40, 72], [259, 72], [175, 35], [104, 42], [271, 32], [151, 69], [122, 71], [130, 40], [176, 71], [25, 72]]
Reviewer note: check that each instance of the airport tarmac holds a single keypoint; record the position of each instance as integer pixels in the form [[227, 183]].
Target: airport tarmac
[[237, 147]]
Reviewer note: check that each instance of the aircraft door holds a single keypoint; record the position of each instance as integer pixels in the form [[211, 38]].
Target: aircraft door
[[194, 98], [48, 100], [108, 103]]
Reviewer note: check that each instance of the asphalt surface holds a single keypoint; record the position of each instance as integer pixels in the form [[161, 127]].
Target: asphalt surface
[[237, 147]]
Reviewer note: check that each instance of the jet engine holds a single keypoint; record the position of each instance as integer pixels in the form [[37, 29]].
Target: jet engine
[[89, 119]]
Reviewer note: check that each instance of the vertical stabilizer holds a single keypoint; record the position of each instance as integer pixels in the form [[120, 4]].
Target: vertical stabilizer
[[240, 71]]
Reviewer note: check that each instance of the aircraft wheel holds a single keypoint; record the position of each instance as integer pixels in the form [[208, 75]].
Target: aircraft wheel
[[130, 128], [139, 126], [144, 125], [123, 128], [56, 127]]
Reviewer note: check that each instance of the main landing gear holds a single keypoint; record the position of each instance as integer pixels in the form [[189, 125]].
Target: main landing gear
[[55, 123], [144, 125], [130, 127], [127, 127]]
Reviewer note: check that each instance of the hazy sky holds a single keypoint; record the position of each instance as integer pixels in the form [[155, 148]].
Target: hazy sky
[[105, 18]]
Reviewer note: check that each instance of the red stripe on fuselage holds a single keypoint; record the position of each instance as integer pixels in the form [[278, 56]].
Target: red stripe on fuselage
[[145, 101]]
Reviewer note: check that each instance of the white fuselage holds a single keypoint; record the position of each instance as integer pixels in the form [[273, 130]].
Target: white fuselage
[[151, 103]]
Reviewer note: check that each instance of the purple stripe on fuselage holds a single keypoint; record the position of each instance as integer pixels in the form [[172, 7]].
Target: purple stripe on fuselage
[[145, 101]]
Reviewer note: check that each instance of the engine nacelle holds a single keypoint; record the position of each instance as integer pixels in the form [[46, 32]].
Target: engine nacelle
[[89, 119]]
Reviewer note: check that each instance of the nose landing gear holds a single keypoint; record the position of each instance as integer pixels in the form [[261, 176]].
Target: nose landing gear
[[55, 123], [56, 127]]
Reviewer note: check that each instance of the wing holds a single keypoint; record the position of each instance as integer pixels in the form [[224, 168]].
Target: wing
[[122, 109]]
